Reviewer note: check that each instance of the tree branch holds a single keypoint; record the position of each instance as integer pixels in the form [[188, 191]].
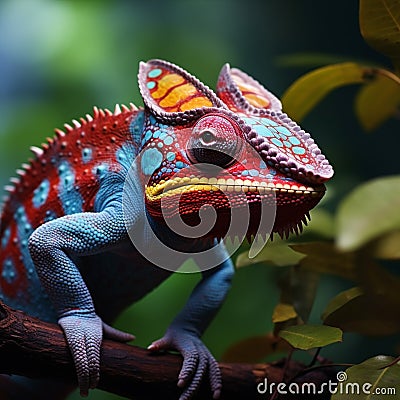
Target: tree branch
[[37, 349]]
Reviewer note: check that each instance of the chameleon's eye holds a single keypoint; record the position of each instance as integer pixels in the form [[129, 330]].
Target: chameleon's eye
[[207, 137], [215, 139]]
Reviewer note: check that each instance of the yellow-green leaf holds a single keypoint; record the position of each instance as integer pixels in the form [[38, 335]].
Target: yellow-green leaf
[[312, 87], [369, 211], [254, 349], [364, 313], [380, 26], [340, 300], [378, 100], [278, 254], [373, 378], [306, 337], [283, 312]]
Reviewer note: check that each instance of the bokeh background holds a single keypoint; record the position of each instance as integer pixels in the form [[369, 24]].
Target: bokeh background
[[58, 58]]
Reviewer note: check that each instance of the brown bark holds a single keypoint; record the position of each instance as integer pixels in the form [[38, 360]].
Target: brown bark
[[37, 349]]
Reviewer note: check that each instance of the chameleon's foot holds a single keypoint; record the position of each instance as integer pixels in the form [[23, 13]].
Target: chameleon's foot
[[197, 362], [84, 335]]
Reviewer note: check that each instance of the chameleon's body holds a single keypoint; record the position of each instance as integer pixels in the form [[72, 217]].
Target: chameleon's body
[[64, 249]]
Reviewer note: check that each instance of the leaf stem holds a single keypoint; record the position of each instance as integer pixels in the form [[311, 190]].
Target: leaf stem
[[387, 74]]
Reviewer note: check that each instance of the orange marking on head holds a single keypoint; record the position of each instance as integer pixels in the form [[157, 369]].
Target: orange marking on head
[[246, 88], [166, 83], [195, 102], [178, 94], [237, 79], [257, 101]]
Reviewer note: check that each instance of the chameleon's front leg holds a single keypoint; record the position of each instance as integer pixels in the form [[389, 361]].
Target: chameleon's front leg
[[185, 331], [51, 247]]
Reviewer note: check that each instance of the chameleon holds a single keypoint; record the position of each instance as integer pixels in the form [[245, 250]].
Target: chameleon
[[66, 253]]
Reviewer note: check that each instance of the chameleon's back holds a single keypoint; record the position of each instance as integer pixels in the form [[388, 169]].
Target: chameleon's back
[[63, 178]]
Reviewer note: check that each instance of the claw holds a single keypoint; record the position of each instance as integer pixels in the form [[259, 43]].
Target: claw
[[215, 379], [116, 334], [84, 337], [197, 362]]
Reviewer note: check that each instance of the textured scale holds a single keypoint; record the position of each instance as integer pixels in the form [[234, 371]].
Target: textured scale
[[65, 252], [172, 92], [283, 144], [63, 178]]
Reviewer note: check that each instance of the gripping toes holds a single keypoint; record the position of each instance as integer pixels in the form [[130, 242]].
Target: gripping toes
[[203, 365], [198, 363], [84, 336]]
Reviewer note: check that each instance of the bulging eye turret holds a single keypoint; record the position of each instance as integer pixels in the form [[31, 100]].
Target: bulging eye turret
[[215, 139]]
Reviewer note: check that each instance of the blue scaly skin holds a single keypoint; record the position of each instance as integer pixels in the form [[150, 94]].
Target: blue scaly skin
[[75, 239]]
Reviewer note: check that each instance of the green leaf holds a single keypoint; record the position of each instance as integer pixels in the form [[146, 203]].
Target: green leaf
[[283, 312], [254, 349], [306, 337], [312, 87], [380, 26], [324, 257], [370, 377], [364, 313], [298, 288], [277, 253], [369, 211], [378, 100], [340, 300]]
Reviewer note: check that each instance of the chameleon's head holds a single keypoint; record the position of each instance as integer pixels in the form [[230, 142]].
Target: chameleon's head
[[233, 151]]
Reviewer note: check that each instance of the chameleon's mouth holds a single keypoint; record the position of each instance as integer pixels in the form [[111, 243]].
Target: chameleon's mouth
[[179, 186], [187, 195]]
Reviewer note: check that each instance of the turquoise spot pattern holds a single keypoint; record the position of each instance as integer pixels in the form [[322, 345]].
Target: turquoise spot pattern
[[298, 150], [136, 127], [154, 73], [280, 136], [9, 272], [69, 195], [151, 160], [41, 193], [87, 155], [24, 230], [171, 156], [6, 237]]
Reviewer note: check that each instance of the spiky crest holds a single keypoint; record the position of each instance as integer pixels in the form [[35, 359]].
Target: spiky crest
[[40, 152]]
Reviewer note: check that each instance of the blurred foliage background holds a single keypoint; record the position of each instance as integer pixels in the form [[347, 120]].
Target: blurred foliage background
[[59, 58]]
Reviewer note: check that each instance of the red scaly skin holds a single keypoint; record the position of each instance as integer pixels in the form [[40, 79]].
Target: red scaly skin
[[232, 186], [101, 136]]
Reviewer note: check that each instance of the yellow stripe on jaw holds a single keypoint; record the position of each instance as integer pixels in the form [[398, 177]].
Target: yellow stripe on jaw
[[184, 185]]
